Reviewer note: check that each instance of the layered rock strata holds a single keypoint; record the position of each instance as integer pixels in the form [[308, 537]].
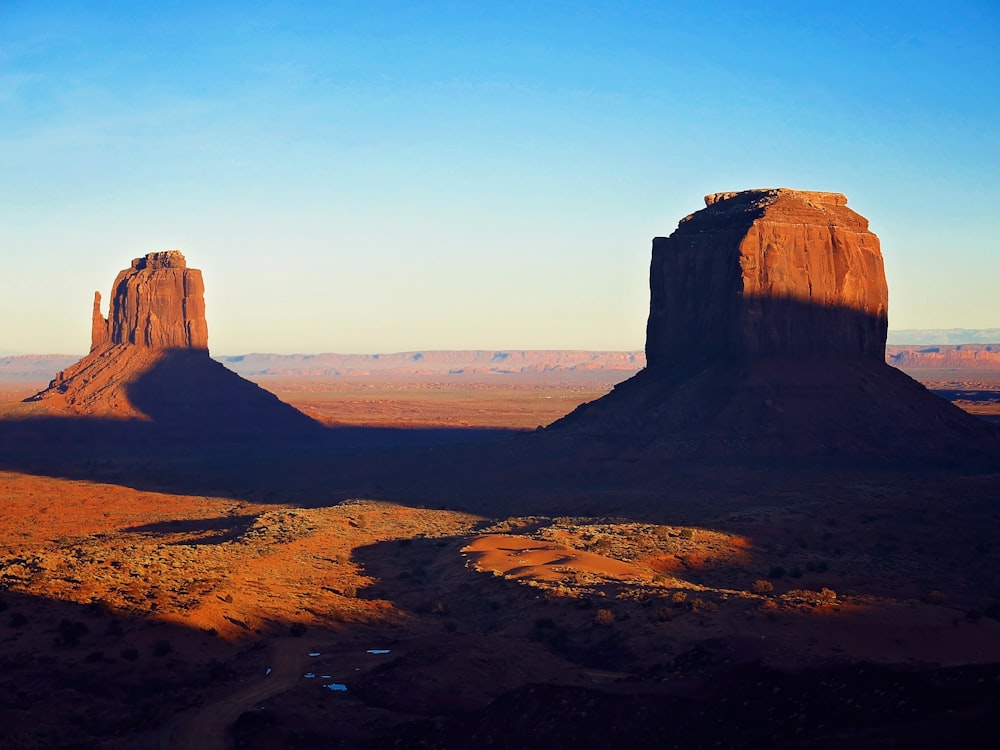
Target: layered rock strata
[[158, 303], [768, 273]]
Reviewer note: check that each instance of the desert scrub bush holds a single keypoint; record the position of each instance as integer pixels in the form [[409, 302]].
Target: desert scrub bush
[[687, 533], [604, 616], [701, 606], [678, 598], [768, 607], [602, 545], [760, 586], [664, 614]]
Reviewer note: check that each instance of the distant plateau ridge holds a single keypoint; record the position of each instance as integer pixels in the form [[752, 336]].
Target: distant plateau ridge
[[469, 364]]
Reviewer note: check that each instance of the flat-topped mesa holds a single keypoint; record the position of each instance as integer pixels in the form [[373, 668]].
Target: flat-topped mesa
[[768, 273], [158, 303]]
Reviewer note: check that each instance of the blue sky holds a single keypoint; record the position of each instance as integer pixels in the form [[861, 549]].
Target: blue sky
[[375, 177]]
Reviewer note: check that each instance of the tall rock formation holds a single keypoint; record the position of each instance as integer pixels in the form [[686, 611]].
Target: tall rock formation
[[149, 361], [766, 337], [158, 303], [768, 273]]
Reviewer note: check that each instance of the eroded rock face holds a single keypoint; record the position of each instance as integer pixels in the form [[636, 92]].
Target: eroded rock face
[[768, 273], [158, 303]]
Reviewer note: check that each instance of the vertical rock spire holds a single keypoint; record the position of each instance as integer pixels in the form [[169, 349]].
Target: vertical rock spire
[[99, 325]]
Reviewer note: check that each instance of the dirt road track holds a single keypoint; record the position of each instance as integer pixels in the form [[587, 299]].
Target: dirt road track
[[205, 727]]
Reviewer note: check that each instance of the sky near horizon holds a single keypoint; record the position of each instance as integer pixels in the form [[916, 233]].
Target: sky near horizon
[[390, 176]]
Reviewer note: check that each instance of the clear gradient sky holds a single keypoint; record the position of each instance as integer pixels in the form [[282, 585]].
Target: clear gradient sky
[[393, 176]]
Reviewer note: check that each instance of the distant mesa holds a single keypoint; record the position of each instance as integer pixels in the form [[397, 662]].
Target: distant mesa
[[766, 336], [149, 361]]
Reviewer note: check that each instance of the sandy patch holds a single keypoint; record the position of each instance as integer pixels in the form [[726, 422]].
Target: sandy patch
[[528, 559]]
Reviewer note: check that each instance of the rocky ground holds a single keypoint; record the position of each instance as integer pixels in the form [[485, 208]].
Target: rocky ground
[[810, 610]]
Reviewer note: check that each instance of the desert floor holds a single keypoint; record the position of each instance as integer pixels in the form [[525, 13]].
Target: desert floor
[[389, 589]]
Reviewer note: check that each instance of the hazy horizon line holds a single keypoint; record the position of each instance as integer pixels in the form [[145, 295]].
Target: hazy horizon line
[[896, 337]]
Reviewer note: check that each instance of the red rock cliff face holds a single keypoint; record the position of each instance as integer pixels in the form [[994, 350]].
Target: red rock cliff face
[[158, 303], [768, 273]]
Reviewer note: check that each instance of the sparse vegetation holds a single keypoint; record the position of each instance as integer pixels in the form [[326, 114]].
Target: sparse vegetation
[[702, 606], [769, 607], [604, 616]]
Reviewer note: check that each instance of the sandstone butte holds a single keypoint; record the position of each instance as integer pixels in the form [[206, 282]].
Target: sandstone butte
[[158, 303], [768, 273], [766, 335], [149, 361]]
